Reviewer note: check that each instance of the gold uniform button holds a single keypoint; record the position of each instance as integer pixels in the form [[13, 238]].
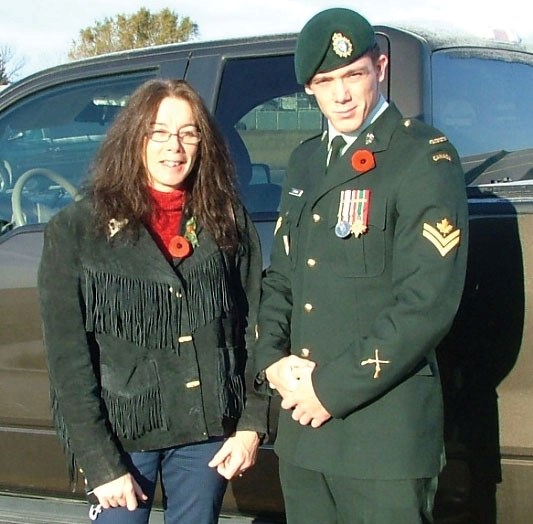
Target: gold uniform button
[[308, 307], [316, 217], [305, 352], [311, 262]]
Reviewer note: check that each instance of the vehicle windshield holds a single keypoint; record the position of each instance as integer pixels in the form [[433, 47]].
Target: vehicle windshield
[[481, 100]]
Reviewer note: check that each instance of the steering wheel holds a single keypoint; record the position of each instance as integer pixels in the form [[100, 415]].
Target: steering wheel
[[16, 197], [5, 178]]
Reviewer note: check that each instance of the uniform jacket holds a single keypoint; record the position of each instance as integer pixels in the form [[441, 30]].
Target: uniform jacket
[[389, 294], [143, 355]]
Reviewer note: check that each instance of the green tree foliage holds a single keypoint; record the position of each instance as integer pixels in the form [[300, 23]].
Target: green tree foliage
[[125, 32]]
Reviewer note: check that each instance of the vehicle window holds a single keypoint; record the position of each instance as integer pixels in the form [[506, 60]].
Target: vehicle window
[[47, 142], [263, 123], [481, 101]]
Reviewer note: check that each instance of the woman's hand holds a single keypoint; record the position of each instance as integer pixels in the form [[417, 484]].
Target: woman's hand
[[237, 454], [121, 492]]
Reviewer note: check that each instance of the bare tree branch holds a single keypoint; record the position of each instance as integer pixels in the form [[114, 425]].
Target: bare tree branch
[[10, 64]]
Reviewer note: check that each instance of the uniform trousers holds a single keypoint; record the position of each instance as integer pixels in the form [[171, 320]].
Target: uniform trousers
[[315, 498], [192, 491]]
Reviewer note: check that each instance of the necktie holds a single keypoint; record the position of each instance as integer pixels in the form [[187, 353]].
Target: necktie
[[336, 147]]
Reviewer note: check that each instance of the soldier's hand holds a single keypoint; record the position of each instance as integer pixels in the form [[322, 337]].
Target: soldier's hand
[[306, 407], [284, 374]]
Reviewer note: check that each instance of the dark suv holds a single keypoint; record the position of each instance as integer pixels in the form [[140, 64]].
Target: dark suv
[[476, 91]]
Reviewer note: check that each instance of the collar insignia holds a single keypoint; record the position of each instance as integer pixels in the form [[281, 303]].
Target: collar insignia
[[444, 237], [342, 46]]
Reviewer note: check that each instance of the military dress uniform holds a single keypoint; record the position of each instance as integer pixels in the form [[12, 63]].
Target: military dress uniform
[[366, 275], [367, 271]]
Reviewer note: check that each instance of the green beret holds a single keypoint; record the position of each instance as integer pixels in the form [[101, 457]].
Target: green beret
[[331, 39]]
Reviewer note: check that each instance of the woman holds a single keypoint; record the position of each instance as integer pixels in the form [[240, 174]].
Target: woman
[[149, 288]]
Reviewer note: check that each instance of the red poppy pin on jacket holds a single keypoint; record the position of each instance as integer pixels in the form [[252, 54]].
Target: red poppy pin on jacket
[[363, 160]]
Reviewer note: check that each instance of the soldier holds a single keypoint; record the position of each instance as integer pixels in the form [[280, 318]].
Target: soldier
[[367, 271]]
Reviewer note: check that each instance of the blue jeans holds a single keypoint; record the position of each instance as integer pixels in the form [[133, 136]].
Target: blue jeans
[[192, 491]]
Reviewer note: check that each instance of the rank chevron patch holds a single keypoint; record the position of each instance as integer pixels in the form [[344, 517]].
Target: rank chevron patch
[[444, 237]]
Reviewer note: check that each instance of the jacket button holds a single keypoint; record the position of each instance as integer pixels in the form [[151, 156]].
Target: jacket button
[[305, 352], [308, 307], [311, 262], [316, 217]]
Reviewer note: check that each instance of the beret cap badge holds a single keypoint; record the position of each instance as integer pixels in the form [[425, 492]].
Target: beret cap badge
[[342, 46]]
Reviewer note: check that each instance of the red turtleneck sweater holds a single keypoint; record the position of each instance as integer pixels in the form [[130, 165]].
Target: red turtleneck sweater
[[165, 222]]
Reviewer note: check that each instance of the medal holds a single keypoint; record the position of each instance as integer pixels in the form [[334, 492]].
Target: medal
[[342, 229], [352, 217], [358, 229]]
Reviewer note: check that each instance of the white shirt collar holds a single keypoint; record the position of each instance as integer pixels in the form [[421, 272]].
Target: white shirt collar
[[350, 138]]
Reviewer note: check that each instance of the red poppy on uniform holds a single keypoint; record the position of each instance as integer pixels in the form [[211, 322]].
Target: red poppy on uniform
[[363, 160]]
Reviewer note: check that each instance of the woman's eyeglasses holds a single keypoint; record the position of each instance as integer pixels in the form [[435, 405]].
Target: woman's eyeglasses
[[186, 135]]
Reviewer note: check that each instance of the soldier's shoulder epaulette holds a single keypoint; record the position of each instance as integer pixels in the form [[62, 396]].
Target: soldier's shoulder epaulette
[[435, 141], [418, 129]]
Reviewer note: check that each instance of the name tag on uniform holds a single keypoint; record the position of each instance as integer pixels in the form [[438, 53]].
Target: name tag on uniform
[[296, 192]]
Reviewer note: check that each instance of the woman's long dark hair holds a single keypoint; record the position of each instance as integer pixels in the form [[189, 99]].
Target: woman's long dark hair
[[119, 182]]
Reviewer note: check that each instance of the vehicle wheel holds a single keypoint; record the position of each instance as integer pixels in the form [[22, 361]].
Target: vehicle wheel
[[16, 198]]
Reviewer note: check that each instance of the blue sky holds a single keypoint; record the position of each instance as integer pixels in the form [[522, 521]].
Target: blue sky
[[41, 32]]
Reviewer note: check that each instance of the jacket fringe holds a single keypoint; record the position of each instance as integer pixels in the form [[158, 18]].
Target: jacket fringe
[[207, 290], [62, 434], [133, 416], [140, 311], [146, 313], [231, 396]]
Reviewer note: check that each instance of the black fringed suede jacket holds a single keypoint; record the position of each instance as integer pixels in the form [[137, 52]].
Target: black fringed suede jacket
[[143, 355]]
